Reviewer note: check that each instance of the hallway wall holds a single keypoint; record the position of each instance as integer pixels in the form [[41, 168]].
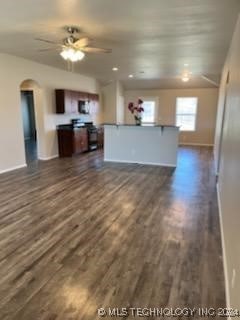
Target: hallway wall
[[229, 171]]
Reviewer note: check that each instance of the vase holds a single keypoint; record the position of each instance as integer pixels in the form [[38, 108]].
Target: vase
[[138, 121]]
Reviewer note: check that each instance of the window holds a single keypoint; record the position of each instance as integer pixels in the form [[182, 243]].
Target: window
[[186, 113], [148, 116]]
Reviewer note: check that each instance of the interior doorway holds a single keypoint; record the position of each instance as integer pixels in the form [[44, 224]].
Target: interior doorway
[[29, 125]]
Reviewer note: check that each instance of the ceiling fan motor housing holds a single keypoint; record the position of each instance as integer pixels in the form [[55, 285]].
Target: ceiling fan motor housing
[[72, 29], [69, 40]]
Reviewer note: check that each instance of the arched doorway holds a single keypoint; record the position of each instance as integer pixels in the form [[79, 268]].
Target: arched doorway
[[28, 90]]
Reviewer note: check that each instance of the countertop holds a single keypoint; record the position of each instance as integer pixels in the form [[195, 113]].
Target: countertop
[[69, 126], [144, 125], [65, 127]]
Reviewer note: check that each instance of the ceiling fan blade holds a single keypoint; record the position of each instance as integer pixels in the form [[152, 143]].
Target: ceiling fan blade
[[47, 49], [96, 50], [81, 43], [210, 80], [47, 41]]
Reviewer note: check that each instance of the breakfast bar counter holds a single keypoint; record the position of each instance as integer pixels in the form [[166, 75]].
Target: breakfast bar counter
[[154, 145]]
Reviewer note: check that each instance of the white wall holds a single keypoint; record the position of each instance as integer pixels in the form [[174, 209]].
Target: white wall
[[13, 72], [220, 115], [113, 101], [206, 116], [229, 170], [120, 103], [109, 93]]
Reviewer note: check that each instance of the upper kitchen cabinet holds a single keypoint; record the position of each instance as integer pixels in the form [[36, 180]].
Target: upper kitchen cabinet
[[61, 100], [83, 96], [66, 101], [93, 103], [69, 102], [93, 97]]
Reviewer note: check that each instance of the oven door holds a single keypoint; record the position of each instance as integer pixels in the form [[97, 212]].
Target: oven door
[[92, 136]]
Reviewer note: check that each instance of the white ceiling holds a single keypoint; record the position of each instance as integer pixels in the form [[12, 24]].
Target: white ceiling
[[150, 39]]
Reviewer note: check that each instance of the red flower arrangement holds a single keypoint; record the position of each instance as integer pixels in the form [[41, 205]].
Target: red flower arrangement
[[136, 111]]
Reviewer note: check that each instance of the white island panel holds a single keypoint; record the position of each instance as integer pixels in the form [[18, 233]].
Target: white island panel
[[156, 145]]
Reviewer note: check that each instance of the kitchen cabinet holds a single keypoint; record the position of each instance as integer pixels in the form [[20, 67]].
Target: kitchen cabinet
[[82, 96], [72, 141], [100, 137], [74, 102], [80, 140], [67, 101], [61, 101]]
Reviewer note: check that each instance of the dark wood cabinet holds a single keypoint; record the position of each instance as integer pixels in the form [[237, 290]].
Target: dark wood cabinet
[[82, 96], [74, 102], [65, 142], [67, 101], [72, 141], [100, 137], [80, 140], [61, 101]]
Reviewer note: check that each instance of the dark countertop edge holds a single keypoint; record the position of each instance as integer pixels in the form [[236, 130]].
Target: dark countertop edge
[[145, 126], [68, 127], [65, 127], [71, 127]]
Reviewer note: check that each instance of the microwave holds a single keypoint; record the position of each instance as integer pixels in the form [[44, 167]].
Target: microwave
[[83, 107]]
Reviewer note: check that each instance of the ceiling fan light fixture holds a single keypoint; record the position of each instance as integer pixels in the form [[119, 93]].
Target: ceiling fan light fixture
[[71, 54], [64, 54], [186, 76]]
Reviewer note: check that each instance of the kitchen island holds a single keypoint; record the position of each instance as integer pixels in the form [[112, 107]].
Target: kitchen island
[[154, 145]]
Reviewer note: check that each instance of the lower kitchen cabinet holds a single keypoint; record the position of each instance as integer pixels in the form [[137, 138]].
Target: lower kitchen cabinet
[[100, 137], [80, 140], [72, 141]]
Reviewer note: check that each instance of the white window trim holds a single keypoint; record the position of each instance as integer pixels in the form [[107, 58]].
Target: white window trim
[[156, 115], [196, 115]]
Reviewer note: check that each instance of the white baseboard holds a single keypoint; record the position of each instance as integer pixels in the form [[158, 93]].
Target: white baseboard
[[24, 165], [227, 291], [48, 158], [140, 162], [195, 144], [13, 168]]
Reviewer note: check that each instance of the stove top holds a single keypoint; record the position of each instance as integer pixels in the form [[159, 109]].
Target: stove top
[[78, 123]]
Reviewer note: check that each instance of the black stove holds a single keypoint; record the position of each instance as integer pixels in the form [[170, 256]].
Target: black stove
[[92, 132]]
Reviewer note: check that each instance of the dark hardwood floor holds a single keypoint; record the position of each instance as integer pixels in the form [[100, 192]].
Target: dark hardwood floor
[[78, 234]]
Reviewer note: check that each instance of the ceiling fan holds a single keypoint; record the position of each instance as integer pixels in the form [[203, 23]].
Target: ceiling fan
[[72, 47]]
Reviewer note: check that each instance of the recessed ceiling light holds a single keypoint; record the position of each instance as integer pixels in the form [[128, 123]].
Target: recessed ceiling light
[[130, 76], [114, 69], [186, 64]]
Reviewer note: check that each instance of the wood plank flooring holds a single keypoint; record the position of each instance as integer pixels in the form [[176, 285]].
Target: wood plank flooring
[[78, 234]]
